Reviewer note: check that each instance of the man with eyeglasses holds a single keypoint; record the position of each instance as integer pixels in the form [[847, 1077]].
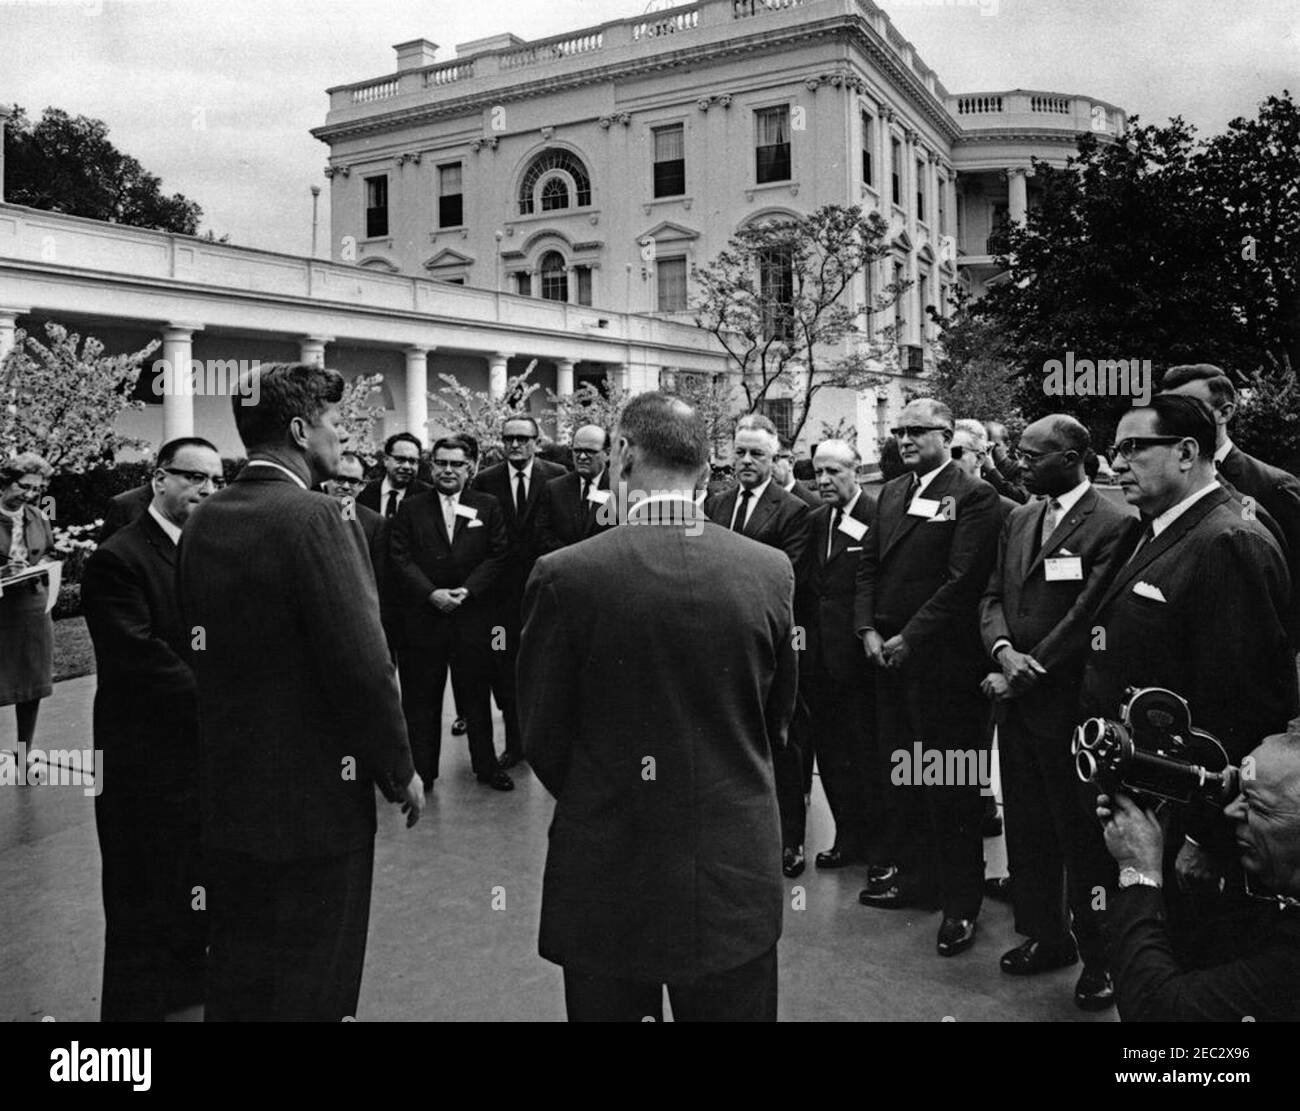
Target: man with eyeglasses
[[1055, 557], [576, 506], [783, 476], [146, 725], [344, 487], [402, 452], [1202, 607], [920, 577], [448, 551], [517, 483]]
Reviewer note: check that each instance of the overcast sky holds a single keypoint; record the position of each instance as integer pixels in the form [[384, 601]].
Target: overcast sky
[[217, 96]]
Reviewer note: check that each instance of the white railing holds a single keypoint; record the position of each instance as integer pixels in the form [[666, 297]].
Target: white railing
[[743, 9], [684, 20], [376, 90], [1057, 104], [978, 105], [445, 75], [552, 51]]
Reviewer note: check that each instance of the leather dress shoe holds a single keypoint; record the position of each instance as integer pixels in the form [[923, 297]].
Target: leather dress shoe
[[991, 825], [887, 896], [835, 857], [1034, 956], [458, 727], [792, 862], [509, 759], [998, 888], [498, 781], [956, 935], [1094, 991], [880, 875]]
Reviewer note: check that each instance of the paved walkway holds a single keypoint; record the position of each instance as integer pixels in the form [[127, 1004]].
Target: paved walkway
[[440, 951]]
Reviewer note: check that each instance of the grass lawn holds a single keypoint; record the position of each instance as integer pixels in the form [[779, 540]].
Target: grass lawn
[[73, 653]]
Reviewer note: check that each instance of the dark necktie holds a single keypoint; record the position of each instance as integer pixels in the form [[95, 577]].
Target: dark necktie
[[521, 495], [1148, 534], [742, 509], [586, 490], [390, 510], [914, 490]]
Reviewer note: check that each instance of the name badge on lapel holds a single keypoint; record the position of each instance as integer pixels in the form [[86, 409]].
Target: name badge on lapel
[[924, 507], [466, 511], [852, 528], [1064, 569], [597, 497]]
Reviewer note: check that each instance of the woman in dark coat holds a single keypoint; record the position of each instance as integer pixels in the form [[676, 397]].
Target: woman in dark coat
[[26, 633]]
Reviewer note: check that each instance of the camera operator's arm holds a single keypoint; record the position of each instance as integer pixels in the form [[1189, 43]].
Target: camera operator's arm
[[1150, 985]]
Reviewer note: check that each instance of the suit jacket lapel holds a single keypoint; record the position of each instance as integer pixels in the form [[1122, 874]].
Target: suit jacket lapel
[[763, 510], [160, 540], [934, 492], [1067, 525]]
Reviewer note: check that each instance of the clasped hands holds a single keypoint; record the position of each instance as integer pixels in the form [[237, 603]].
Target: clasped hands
[[1020, 671], [448, 599], [891, 653]]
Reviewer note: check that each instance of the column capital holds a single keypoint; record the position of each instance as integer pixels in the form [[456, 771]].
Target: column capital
[[501, 356], [12, 313], [174, 329], [415, 349], [316, 339]]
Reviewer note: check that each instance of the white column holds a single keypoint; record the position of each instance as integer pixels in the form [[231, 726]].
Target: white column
[[5, 115], [564, 378], [8, 326], [417, 392], [178, 391], [497, 374], [1017, 196], [311, 349]]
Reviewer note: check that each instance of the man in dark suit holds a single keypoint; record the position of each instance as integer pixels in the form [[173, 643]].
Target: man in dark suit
[[448, 549], [124, 508], [833, 676], [518, 484], [1201, 607], [759, 509], [146, 724], [300, 717], [1275, 490], [402, 452], [343, 488], [571, 509], [783, 475], [1055, 557], [665, 848], [920, 577]]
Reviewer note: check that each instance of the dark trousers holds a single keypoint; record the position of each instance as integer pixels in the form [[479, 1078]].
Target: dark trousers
[[1055, 850], [288, 938], [423, 669], [503, 679], [787, 768], [743, 994], [843, 729], [934, 830], [155, 939]]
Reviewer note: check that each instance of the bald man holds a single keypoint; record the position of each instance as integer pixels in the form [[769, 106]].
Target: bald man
[[570, 509], [1056, 556]]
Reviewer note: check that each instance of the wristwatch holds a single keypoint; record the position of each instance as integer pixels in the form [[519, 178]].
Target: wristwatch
[[1131, 877]]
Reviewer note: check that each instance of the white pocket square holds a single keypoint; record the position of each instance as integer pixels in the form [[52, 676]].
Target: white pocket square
[[1146, 590], [474, 522], [857, 549]]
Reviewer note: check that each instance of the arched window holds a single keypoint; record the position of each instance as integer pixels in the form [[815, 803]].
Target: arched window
[[555, 278], [566, 183]]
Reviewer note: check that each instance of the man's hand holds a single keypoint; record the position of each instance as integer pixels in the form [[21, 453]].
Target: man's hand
[[446, 600], [1197, 870], [1133, 835], [874, 645], [896, 651], [413, 800], [995, 686], [1020, 668]]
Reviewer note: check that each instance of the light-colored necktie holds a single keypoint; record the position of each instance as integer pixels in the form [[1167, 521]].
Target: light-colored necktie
[[1051, 519], [830, 534], [449, 516]]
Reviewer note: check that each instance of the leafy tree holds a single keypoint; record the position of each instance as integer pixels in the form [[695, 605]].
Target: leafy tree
[[779, 301], [360, 416], [67, 164], [1267, 423], [63, 402], [714, 398], [588, 404], [973, 373], [477, 412]]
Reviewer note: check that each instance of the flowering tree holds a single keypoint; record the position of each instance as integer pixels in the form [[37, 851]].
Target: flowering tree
[[63, 403], [359, 415], [478, 413], [588, 404], [713, 396]]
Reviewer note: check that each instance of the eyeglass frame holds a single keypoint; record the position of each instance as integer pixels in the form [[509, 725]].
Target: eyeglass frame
[[916, 431], [202, 479], [1118, 452]]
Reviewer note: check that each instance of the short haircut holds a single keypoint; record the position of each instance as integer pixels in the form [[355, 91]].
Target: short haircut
[[975, 430], [451, 443], [1183, 416], [938, 408], [471, 444], [1070, 434], [757, 422], [839, 447], [283, 391], [521, 416], [348, 453], [671, 433], [168, 452], [1221, 388], [24, 463], [403, 437]]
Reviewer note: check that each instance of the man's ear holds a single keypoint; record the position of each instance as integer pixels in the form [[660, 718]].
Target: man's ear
[[298, 431], [1229, 410]]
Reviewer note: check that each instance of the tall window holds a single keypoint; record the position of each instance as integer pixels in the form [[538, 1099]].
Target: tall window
[[670, 160], [900, 319], [780, 411], [554, 166], [920, 189], [671, 276], [451, 210], [776, 288], [583, 274], [376, 206], [772, 144], [943, 205], [868, 144], [896, 170], [555, 279], [926, 294]]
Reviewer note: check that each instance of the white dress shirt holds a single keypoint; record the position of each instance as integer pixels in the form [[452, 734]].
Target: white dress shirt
[[1170, 515], [515, 472], [173, 531], [928, 478], [386, 488], [1221, 452], [755, 494], [449, 503]]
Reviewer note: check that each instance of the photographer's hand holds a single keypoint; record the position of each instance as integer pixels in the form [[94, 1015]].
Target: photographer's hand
[[1133, 835]]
